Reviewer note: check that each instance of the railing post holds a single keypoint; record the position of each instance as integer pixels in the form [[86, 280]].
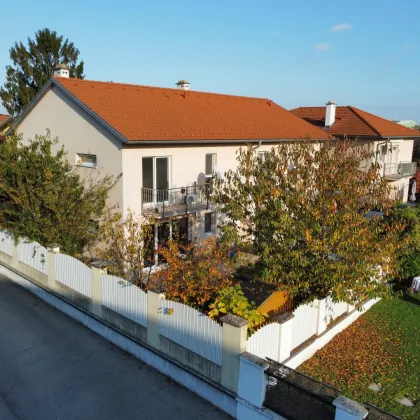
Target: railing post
[[347, 409], [251, 386], [153, 326], [234, 343], [286, 322], [96, 301]]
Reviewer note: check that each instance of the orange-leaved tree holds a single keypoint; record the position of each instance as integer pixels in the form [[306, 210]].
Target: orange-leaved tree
[[194, 273]]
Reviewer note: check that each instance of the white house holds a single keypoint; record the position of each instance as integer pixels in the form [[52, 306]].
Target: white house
[[162, 144], [392, 143]]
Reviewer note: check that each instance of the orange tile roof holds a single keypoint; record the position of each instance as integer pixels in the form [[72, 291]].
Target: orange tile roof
[[354, 122], [4, 117], [151, 113]]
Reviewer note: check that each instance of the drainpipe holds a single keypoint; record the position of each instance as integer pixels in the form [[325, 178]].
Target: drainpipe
[[257, 147]]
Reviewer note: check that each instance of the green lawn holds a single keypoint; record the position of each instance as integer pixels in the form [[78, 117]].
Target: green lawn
[[382, 346]]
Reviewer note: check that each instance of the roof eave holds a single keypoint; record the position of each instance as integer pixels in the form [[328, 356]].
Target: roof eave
[[43, 91], [218, 141]]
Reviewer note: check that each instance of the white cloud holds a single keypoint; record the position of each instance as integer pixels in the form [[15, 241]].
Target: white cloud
[[276, 33], [341, 27], [322, 46]]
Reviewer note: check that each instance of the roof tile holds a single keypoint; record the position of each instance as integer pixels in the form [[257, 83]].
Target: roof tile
[[353, 122], [151, 113]]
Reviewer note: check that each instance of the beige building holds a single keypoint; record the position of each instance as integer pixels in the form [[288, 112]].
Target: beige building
[[163, 145], [392, 143]]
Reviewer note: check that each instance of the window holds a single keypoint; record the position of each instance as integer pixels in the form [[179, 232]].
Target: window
[[155, 179], [210, 163], [209, 223], [261, 156], [85, 160], [382, 152]]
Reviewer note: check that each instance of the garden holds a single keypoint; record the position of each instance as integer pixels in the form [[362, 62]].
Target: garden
[[377, 358]]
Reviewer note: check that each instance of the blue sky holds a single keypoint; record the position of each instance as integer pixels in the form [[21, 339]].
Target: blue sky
[[364, 53]]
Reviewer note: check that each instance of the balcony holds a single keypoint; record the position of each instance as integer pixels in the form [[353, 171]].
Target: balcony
[[175, 201], [395, 171]]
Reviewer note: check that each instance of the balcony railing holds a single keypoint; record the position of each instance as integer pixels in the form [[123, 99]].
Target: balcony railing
[[399, 170], [175, 201]]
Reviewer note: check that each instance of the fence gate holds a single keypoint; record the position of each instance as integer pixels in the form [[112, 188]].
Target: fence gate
[[296, 396]]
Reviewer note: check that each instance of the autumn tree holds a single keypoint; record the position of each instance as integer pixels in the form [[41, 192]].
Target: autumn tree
[[304, 209], [33, 64], [125, 246], [194, 273], [44, 199]]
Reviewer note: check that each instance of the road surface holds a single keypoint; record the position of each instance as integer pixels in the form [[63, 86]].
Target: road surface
[[51, 367]]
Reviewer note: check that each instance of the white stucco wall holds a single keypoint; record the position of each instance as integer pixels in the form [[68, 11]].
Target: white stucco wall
[[79, 133], [186, 163]]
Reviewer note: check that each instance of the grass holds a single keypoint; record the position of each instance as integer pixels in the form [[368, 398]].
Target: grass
[[382, 346]]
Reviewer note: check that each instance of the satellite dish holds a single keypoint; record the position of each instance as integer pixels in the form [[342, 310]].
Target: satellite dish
[[201, 179]]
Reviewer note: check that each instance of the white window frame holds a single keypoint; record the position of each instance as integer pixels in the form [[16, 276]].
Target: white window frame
[[79, 162], [154, 169], [262, 156], [214, 163]]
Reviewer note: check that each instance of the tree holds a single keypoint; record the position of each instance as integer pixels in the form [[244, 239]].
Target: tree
[[43, 199], [304, 210], [124, 246], [194, 273], [33, 65], [408, 250]]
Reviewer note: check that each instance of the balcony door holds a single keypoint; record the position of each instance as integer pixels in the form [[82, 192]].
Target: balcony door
[[155, 179]]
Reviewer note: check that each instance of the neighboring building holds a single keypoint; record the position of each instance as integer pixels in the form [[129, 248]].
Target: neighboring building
[[164, 145], [408, 123], [392, 143], [5, 122]]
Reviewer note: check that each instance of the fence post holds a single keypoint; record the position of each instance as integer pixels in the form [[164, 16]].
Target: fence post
[[15, 255], [252, 385], [347, 409], [286, 323], [322, 316], [96, 301], [52, 284], [153, 325], [233, 344]]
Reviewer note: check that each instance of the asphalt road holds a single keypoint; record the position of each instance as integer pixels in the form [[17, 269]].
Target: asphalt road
[[51, 367]]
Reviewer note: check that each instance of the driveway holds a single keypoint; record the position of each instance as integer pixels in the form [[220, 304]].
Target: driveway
[[51, 367]]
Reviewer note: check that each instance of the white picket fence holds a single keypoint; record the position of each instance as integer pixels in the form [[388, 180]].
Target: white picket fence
[[191, 329], [305, 323], [265, 342], [123, 297], [74, 274], [34, 255], [6, 243], [335, 309]]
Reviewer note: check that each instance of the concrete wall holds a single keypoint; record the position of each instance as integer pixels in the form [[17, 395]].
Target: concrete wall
[[79, 133]]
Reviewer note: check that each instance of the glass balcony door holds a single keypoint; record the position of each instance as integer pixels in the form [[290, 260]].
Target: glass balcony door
[[155, 179]]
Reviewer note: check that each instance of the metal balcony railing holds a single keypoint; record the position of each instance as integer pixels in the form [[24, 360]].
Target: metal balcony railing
[[399, 170], [175, 201]]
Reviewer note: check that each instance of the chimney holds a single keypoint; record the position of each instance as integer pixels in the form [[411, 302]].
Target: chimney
[[330, 114], [61, 70], [183, 84]]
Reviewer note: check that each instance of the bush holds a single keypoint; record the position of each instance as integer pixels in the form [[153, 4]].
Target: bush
[[232, 300]]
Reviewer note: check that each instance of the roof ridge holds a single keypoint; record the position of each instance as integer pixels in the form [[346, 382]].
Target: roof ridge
[[355, 111], [381, 118], [59, 79]]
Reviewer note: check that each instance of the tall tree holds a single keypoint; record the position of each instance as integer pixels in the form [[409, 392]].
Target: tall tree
[[304, 209], [42, 198], [33, 65]]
